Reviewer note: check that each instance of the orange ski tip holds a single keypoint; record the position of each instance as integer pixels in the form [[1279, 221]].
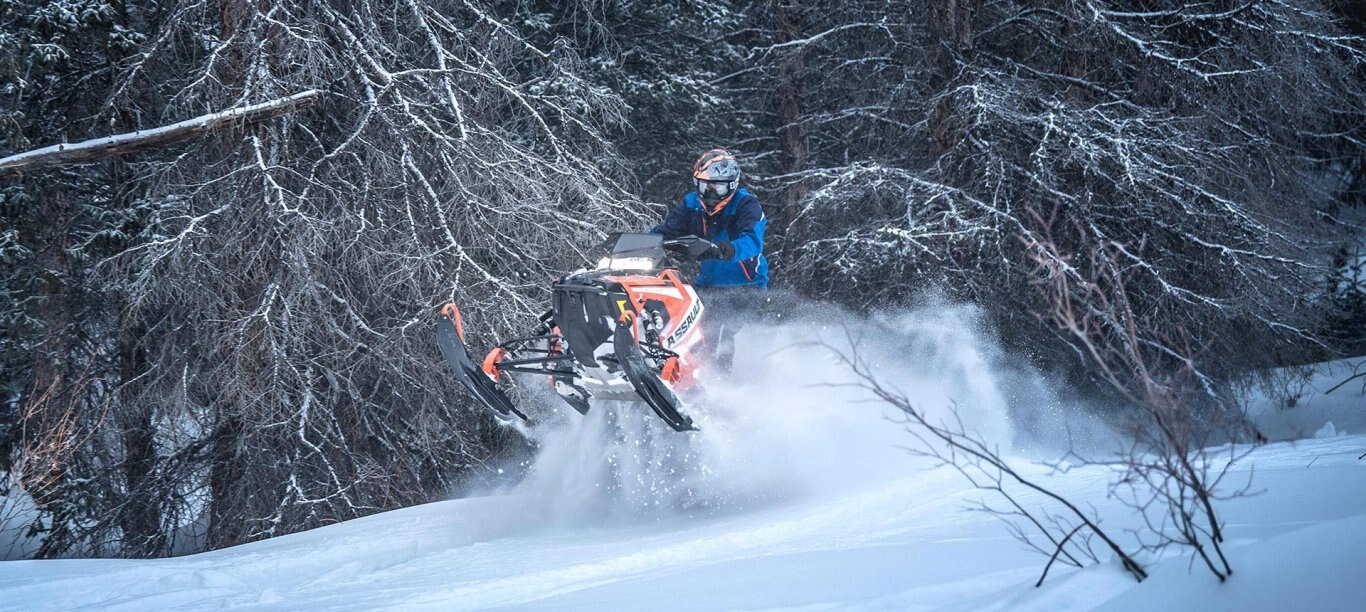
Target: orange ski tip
[[449, 311], [491, 362]]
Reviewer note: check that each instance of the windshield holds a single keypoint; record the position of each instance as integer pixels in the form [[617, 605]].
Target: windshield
[[633, 252]]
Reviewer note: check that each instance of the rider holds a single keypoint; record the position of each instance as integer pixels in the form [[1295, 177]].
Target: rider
[[732, 260]]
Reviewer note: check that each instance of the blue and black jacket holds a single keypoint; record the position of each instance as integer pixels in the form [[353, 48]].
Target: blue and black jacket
[[741, 223]]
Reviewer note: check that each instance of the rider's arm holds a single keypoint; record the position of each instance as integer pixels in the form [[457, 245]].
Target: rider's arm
[[749, 230]]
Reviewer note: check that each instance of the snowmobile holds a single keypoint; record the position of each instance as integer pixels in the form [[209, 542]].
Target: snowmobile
[[627, 329]]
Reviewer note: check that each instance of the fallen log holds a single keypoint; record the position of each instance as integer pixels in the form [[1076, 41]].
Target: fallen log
[[97, 149]]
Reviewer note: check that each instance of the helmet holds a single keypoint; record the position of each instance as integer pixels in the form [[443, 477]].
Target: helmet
[[716, 175]]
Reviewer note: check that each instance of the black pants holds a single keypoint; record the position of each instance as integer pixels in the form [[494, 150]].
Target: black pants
[[726, 311]]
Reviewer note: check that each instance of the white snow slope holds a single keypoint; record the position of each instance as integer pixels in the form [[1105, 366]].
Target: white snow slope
[[794, 495]]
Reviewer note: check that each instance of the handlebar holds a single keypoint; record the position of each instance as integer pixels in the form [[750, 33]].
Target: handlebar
[[684, 241], [688, 247]]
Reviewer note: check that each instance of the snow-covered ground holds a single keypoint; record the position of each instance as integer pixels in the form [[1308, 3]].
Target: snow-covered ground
[[793, 495]]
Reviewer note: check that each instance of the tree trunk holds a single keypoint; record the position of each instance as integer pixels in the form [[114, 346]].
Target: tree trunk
[[228, 465], [793, 139], [227, 468], [140, 517], [49, 419], [951, 38]]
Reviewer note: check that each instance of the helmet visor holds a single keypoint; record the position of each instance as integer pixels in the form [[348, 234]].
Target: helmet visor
[[712, 190]]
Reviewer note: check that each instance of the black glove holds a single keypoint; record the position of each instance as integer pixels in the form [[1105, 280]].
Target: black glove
[[720, 249]]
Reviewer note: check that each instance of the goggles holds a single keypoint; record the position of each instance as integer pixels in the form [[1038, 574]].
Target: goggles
[[713, 189]]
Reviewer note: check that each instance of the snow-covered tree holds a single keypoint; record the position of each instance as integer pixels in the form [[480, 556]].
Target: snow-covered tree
[[274, 306], [60, 348], [669, 62], [1192, 137], [289, 281]]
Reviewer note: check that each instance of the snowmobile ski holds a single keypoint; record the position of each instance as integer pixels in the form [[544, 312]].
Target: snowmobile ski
[[450, 338], [646, 383]]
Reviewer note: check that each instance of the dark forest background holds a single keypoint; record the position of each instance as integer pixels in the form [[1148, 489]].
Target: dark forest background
[[231, 338]]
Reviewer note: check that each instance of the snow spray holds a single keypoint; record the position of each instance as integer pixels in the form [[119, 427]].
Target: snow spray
[[791, 421]]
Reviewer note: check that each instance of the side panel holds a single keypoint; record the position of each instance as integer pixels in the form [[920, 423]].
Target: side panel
[[682, 318]]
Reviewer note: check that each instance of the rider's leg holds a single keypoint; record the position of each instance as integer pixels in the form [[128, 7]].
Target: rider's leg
[[726, 312]]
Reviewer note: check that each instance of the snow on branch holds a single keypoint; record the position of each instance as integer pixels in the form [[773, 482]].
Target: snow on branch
[[96, 149]]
